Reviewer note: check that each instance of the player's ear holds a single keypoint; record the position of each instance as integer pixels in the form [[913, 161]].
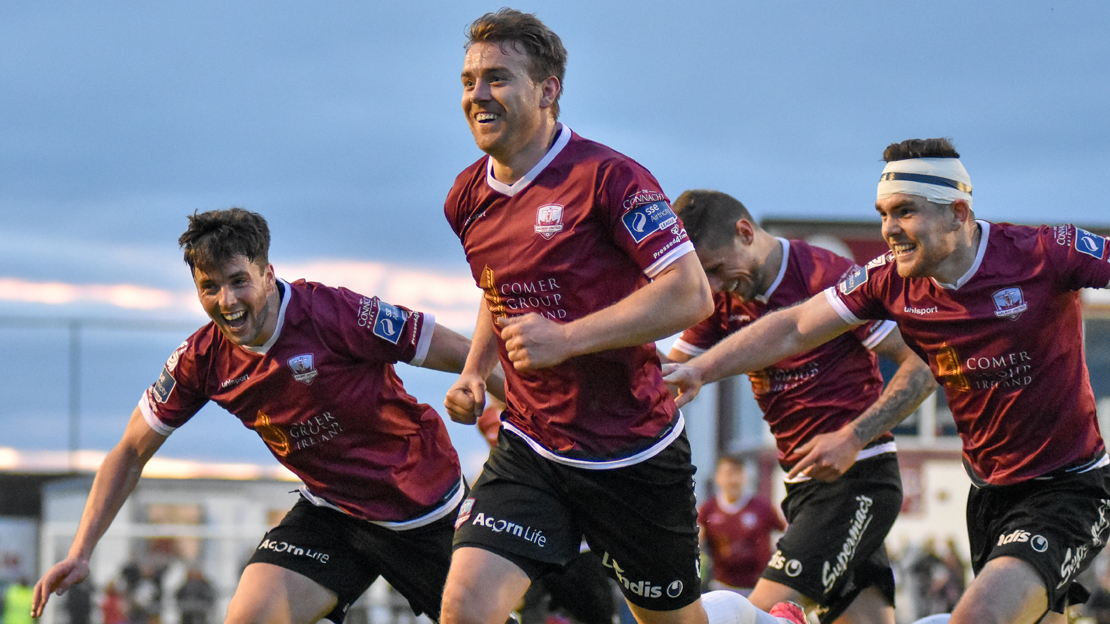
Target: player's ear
[[745, 232], [961, 213], [550, 88]]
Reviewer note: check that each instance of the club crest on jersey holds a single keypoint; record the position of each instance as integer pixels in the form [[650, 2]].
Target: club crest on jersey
[[303, 370], [464, 512], [389, 322], [1009, 302], [549, 220], [645, 219], [854, 279], [1091, 244]]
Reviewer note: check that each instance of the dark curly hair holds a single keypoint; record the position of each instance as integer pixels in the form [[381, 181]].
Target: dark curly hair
[[216, 236]]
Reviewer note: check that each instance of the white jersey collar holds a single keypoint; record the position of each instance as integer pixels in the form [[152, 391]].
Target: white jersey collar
[[518, 186], [782, 271], [984, 235], [286, 295]]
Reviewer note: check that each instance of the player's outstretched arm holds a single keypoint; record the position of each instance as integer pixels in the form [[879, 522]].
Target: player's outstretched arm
[[114, 482], [448, 352], [829, 455], [771, 338], [467, 398], [677, 298]]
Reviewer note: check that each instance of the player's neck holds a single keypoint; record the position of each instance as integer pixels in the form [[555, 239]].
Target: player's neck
[[772, 264], [960, 261], [511, 167]]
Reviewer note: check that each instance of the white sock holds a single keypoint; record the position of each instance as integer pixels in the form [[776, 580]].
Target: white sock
[[725, 607], [940, 618]]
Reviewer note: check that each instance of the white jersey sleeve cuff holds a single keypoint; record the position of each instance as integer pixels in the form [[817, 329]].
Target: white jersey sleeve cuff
[[427, 327], [841, 309], [674, 254], [880, 334], [148, 415], [687, 348]]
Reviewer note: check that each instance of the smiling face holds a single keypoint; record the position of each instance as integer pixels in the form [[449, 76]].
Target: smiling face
[[241, 298], [922, 235], [736, 266], [505, 109]]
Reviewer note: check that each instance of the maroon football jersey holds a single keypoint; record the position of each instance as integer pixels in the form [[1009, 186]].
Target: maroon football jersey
[[323, 395], [1005, 342], [813, 392], [738, 537], [583, 230]]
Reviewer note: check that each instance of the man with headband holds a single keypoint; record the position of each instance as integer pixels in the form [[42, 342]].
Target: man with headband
[[841, 475], [994, 310]]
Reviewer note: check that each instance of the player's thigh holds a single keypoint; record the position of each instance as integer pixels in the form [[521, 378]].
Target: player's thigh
[[692, 613], [870, 607], [274, 595], [482, 587], [1006, 591], [768, 593]]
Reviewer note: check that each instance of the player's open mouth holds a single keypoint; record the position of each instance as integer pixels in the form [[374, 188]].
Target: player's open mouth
[[900, 249], [486, 117], [235, 319]]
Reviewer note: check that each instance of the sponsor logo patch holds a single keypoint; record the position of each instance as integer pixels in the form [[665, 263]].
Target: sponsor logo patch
[[1009, 302], [792, 567], [292, 549], [389, 322], [303, 370], [646, 219], [674, 590], [1089, 243], [525, 533], [854, 279], [644, 589], [164, 385], [549, 220]]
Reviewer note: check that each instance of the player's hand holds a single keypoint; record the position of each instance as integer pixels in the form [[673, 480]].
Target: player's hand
[[683, 381], [58, 579], [826, 456], [533, 341], [466, 399]]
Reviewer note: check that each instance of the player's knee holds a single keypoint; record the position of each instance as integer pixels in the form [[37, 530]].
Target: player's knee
[[463, 604], [725, 607]]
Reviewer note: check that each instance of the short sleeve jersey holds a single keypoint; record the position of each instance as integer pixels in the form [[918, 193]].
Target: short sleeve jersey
[[813, 392], [585, 228], [738, 537], [1005, 342], [323, 395]]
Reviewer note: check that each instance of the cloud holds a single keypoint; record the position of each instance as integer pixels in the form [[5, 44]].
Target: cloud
[[451, 297]]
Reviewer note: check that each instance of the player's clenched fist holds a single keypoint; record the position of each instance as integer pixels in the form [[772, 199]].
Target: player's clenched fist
[[466, 399], [534, 341]]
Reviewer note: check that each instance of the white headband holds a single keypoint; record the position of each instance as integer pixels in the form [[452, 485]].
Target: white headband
[[939, 180]]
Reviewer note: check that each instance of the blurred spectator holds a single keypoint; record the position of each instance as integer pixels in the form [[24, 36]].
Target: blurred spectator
[[928, 577], [145, 597], [78, 603], [736, 529], [957, 576], [195, 598], [17, 603], [113, 605]]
